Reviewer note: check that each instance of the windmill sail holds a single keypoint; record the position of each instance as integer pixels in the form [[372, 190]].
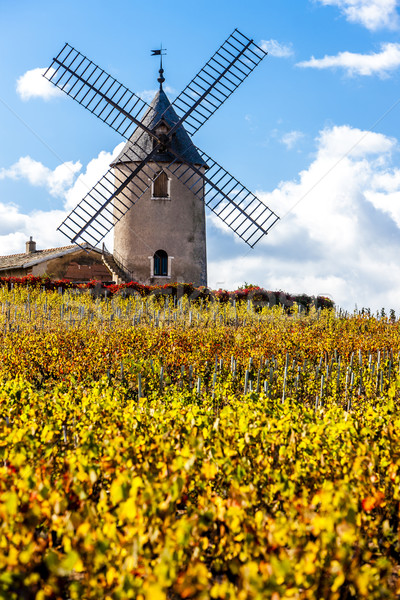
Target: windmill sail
[[96, 90], [217, 80], [229, 199], [92, 218], [137, 167], [96, 214]]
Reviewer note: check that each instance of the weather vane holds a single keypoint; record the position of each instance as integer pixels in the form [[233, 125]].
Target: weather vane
[[161, 52]]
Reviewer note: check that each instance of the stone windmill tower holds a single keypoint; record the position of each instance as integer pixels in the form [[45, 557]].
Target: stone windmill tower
[[164, 238], [156, 190]]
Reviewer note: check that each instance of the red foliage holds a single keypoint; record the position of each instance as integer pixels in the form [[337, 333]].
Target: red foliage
[[256, 294]]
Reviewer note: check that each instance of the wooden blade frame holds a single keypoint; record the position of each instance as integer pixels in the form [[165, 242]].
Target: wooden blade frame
[[97, 91], [231, 64], [230, 200], [95, 216], [121, 109]]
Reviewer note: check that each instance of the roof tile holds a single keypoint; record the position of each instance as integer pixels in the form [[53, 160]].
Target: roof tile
[[14, 261], [143, 142]]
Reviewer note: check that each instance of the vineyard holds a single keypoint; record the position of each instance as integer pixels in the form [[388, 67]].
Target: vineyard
[[159, 448]]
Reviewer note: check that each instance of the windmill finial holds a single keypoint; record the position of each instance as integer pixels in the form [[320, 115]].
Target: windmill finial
[[161, 79], [161, 52]]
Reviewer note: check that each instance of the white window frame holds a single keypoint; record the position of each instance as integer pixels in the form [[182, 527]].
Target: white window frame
[[151, 259], [153, 197]]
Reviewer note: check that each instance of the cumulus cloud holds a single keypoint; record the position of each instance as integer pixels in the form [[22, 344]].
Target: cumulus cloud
[[377, 63], [16, 227], [95, 170], [32, 84], [340, 231], [291, 138], [148, 95], [277, 49], [372, 14], [56, 181]]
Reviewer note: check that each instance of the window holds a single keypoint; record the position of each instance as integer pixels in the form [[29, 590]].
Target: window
[[160, 264], [161, 132], [160, 185]]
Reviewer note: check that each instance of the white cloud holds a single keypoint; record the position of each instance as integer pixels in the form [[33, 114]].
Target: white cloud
[[341, 236], [62, 182], [148, 95], [338, 142], [372, 14], [95, 170], [56, 181], [291, 138], [277, 49], [32, 84], [16, 227], [377, 63]]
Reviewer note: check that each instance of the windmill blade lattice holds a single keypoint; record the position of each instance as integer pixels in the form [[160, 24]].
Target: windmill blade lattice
[[113, 103], [123, 110], [229, 199], [96, 214], [218, 79], [97, 91]]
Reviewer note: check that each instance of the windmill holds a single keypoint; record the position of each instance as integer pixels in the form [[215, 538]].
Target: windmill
[[160, 163]]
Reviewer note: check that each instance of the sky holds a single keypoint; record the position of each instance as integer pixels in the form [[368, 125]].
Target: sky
[[313, 132]]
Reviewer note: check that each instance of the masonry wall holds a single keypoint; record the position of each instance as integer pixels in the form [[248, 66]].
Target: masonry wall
[[175, 225], [15, 272], [76, 266]]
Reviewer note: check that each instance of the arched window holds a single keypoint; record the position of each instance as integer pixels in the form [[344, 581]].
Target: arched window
[[160, 264], [160, 185]]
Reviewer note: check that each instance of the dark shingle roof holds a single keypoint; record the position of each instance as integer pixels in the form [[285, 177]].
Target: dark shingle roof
[[18, 261], [143, 143]]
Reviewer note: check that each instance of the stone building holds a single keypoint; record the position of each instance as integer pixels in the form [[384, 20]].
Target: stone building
[[68, 262], [163, 237]]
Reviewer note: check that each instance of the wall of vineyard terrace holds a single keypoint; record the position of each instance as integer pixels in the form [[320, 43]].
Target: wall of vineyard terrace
[[257, 295]]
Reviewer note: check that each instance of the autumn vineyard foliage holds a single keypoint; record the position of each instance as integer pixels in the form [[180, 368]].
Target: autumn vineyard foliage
[[161, 448]]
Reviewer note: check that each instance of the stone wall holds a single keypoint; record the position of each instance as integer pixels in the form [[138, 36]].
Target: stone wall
[[79, 265], [175, 225]]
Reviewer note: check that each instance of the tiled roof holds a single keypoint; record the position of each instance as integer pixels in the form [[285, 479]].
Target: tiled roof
[[15, 261], [143, 143]]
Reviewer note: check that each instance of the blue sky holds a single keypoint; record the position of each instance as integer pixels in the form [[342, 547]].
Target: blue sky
[[313, 131]]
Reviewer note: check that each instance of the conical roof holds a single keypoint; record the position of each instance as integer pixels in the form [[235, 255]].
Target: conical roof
[[160, 110]]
